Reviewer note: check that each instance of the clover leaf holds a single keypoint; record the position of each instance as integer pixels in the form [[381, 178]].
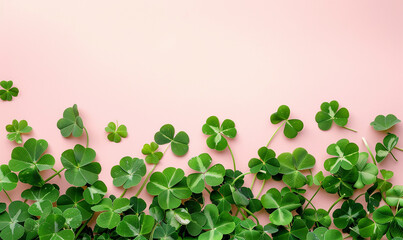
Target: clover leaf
[[71, 123], [179, 142], [211, 176], [223, 198], [292, 164], [330, 113], [133, 226], [195, 226], [369, 229], [283, 206], [319, 217], [394, 196], [217, 133], [217, 223], [164, 231], [292, 126], [30, 159], [8, 179], [341, 183], [349, 214], [298, 230], [43, 196], [94, 193], [74, 199], [129, 172], [346, 156], [383, 150], [116, 132], [152, 156], [15, 130], [383, 123], [110, 218], [367, 172], [10, 222], [266, 165], [80, 168], [51, 228], [73, 217], [372, 199], [383, 183], [170, 186], [246, 230], [322, 233], [9, 91]]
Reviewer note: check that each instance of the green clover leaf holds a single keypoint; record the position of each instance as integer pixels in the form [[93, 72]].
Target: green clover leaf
[[367, 172], [322, 233], [164, 231], [30, 159], [179, 142], [116, 132], [51, 229], [330, 113], [8, 179], [10, 222], [346, 156], [382, 123], [349, 214], [283, 206], [383, 183], [394, 196], [150, 150], [44, 198], [369, 229], [71, 123], [372, 199], [80, 168], [15, 130], [298, 230], [94, 193], [129, 172], [319, 217], [211, 176], [110, 218], [341, 183], [170, 186], [383, 150], [195, 226], [266, 165], [222, 198], [73, 217], [246, 230], [74, 199], [217, 223], [292, 126], [383, 215], [217, 133], [9, 91], [133, 226]]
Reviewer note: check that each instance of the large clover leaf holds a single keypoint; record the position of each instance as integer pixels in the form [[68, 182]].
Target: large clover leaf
[[9, 91], [133, 226], [394, 196], [217, 133], [211, 176], [383, 123], [44, 198], [170, 186], [8, 179], [341, 183], [10, 222], [150, 150], [110, 218], [346, 156], [292, 126], [52, 228], [29, 160], [80, 168], [383, 150], [349, 214], [282, 206], [129, 172], [292, 164], [266, 165], [15, 130], [74, 199], [217, 223], [116, 132], [71, 123], [179, 142], [369, 229], [330, 113], [367, 172]]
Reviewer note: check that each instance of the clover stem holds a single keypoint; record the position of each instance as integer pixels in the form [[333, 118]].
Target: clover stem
[[237, 211], [152, 232], [54, 170], [309, 203], [250, 213], [267, 145], [347, 236], [236, 179], [123, 193], [369, 150], [338, 200], [88, 139], [243, 215], [207, 190], [261, 188], [397, 206], [145, 181], [313, 196], [82, 227], [349, 129], [232, 156], [393, 156], [253, 181], [8, 196], [398, 148], [54, 175]]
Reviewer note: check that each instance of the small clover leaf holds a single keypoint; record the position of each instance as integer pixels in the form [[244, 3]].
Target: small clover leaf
[[9, 91], [74, 199], [282, 206], [330, 113], [15, 130], [383, 123], [10, 222], [367, 172], [94, 193], [292, 126], [383, 150], [133, 226], [394, 196], [71, 123], [266, 165], [217, 133], [346, 156], [80, 168], [152, 156], [116, 132], [30, 159], [51, 229], [217, 223], [8, 179], [349, 214], [179, 142], [110, 218], [129, 172], [44, 198]]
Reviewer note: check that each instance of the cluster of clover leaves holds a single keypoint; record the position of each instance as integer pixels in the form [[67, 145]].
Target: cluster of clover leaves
[[179, 209]]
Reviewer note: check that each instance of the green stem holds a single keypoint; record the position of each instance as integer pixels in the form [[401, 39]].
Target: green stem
[[369, 150], [253, 181], [88, 139], [8, 196], [397, 206], [83, 226], [145, 181], [393, 156], [207, 190], [236, 179], [398, 148], [243, 215], [349, 129], [338, 200], [152, 232], [250, 213], [359, 196], [233, 158], [54, 175], [267, 145], [261, 189], [236, 214], [54, 170], [310, 200], [123, 193]]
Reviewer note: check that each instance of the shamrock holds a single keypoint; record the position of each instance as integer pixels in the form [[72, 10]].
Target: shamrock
[[80, 168], [383, 150], [322, 233], [16, 129], [383, 184], [367, 172], [94, 193], [292, 126], [292, 164], [346, 156], [74, 199], [170, 186], [372, 199], [320, 217], [110, 218], [217, 133], [223, 198], [266, 165], [394, 196], [9, 91], [116, 134], [283, 205], [211, 176], [152, 156], [73, 217], [382, 123], [298, 231], [330, 113], [164, 232], [43, 196], [369, 229], [51, 228], [246, 230], [132, 225], [129, 172], [179, 142], [349, 214], [384, 215], [8, 179], [341, 183], [71, 123], [10, 222], [29, 160], [217, 223]]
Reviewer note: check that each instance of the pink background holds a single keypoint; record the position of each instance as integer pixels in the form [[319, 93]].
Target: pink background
[[147, 63]]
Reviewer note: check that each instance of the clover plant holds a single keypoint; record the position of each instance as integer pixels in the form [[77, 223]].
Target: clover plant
[[116, 132], [8, 91]]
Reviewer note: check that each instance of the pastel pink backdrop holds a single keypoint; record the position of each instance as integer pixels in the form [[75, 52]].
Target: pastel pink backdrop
[[147, 63]]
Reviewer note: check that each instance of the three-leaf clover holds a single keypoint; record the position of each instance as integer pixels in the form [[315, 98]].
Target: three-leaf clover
[[9, 91], [217, 223], [71, 123], [266, 165], [132, 225], [341, 183], [383, 123], [330, 113], [346, 156], [394, 196], [74, 199], [110, 218], [44, 198], [116, 132], [281, 204], [349, 213], [320, 217], [51, 228], [150, 150], [369, 229], [8, 179], [322, 233], [367, 172], [129, 172], [94, 193], [383, 150], [179, 142], [217, 132], [292, 126], [15, 130], [10, 222]]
